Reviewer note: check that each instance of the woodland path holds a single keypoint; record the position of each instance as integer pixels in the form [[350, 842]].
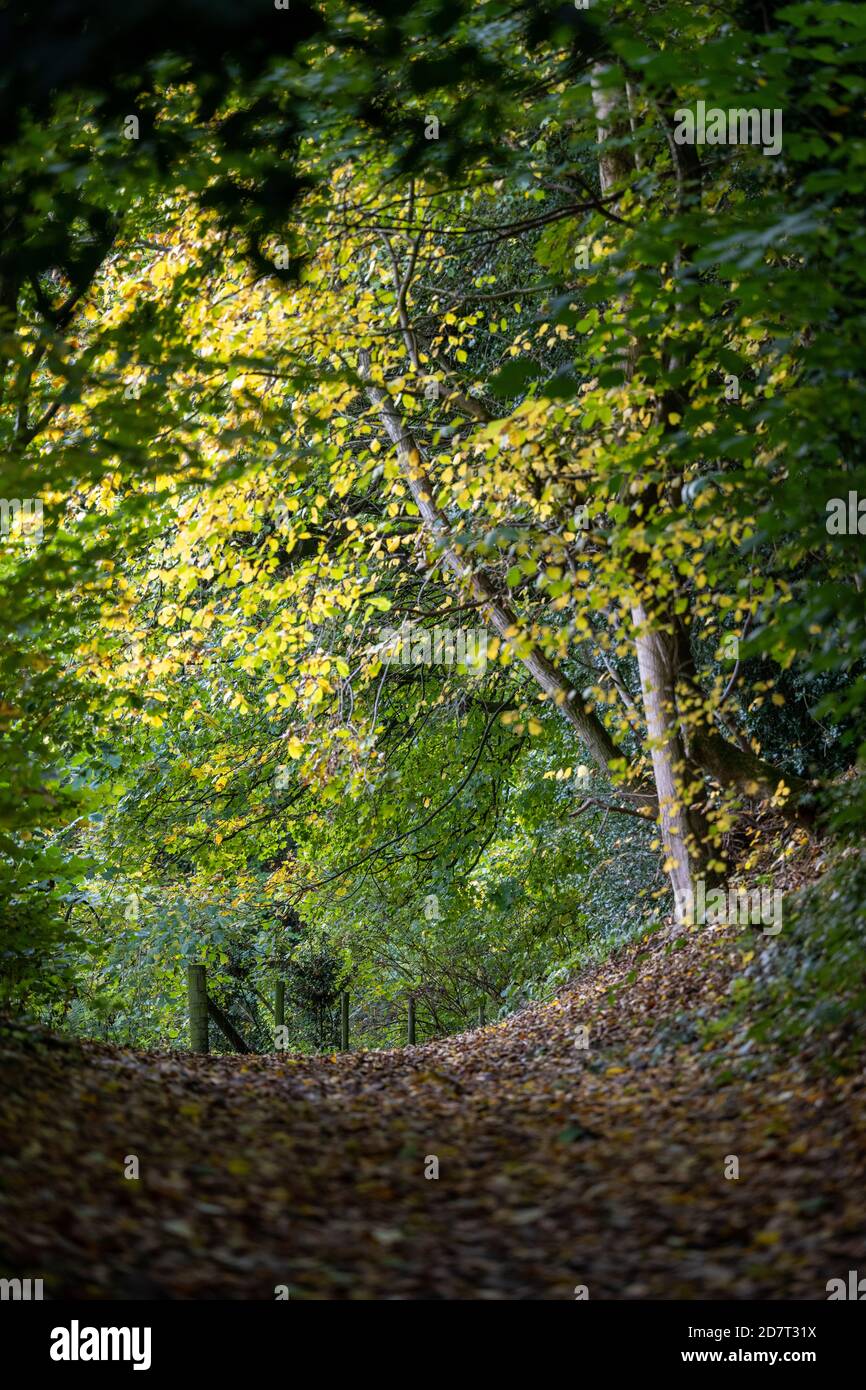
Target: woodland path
[[558, 1166]]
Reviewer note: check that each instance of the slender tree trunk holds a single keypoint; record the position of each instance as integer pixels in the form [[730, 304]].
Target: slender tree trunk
[[498, 613], [655, 642], [658, 686]]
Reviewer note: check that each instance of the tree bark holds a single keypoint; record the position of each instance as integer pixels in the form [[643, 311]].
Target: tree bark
[[613, 120], [658, 686]]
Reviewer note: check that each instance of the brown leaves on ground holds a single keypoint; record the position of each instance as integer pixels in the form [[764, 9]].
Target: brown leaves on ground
[[559, 1165]]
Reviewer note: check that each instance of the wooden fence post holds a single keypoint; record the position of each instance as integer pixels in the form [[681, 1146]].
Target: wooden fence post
[[280, 1003], [481, 1014], [344, 1020], [411, 1021], [197, 995]]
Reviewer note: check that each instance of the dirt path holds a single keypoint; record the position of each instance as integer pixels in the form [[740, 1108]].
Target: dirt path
[[558, 1166]]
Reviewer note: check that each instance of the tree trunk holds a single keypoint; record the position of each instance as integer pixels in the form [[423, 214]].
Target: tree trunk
[[658, 685], [499, 614], [750, 774], [655, 644], [732, 764], [613, 119]]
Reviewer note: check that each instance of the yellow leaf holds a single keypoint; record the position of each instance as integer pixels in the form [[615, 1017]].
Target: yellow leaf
[[767, 1238]]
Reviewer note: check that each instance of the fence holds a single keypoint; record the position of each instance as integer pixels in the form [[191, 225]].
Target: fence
[[202, 1009]]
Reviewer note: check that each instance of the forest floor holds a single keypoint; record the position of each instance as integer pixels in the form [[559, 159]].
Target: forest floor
[[559, 1166]]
